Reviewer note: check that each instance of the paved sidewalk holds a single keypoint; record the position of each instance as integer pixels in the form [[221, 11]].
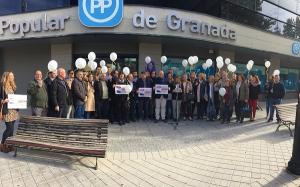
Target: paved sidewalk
[[198, 153]]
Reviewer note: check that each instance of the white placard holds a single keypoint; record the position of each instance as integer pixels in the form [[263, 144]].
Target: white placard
[[145, 92], [161, 89], [122, 89], [17, 101]]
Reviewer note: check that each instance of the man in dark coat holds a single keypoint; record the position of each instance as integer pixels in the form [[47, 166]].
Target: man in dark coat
[[143, 82], [60, 94], [102, 97], [48, 82], [79, 95], [277, 92]]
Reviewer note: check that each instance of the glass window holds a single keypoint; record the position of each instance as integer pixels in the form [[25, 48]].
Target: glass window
[[10, 7], [176, 65], [289, 77], [289, 4], [130, 61], [35, 5]]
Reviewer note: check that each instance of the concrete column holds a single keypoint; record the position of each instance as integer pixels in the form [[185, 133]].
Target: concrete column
[[275, 64], [62, 53], [152, 50]]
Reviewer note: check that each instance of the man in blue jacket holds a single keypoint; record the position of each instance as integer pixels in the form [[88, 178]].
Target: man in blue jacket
[[160, 99], [79, 95], [277, 92], [143, 82]]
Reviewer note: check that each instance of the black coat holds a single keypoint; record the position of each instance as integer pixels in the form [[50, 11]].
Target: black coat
[[99, 90], [60, 93], [3, 96], [78, 92], [48, 82]]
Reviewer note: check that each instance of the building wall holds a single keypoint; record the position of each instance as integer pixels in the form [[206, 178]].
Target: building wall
[[246, 37], [23, 60]]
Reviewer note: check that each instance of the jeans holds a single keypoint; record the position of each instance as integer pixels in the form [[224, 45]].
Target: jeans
[[79, 112], [186, 109], [226, 113], [201, 107], [160, 108], [238, 110], [144, 108], [169, 109], [272, 107], [176, 109], [9, 131]]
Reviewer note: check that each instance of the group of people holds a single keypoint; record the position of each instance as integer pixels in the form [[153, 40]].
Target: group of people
[[92, 95], [85, 95]]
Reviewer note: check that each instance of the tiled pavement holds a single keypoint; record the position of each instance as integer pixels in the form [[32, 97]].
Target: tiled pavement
[[147, 154]]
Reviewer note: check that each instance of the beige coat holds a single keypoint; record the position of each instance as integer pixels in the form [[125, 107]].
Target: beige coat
[[90, 103]]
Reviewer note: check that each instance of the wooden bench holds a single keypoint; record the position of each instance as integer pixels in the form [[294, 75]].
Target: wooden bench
[[287, 115], [68, 136]]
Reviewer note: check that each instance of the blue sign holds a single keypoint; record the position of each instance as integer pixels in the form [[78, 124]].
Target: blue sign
[[100, 13], [296, 48]]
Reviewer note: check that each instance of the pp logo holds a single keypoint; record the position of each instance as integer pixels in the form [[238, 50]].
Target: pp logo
[[100, 13], [296, 48]]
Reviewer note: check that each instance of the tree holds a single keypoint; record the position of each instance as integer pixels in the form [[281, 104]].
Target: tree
[[289, 29]]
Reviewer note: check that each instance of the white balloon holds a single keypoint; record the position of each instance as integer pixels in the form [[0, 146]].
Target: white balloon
[[93, 65], [251, 62], [80, 63], [220, 59], [227, 61], [185, 63], [233, 68], [204, 66], [52, 65], [113, 56], [104, 69], [191, 60], [102, 63], [196, 59], [220, 64], [230, 67], [126, 71], [276, 72], [148, 59], [163, 59], [222, 91], [267, 64], [249, 67], [209, 63], [92, 56]]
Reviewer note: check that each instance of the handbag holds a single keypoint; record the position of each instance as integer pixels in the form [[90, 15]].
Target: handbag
[[246, 111], [190, 96]]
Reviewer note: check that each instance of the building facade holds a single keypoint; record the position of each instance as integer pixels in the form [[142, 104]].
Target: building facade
[[33, 32]]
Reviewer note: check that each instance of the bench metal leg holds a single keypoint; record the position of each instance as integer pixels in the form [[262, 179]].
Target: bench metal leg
[[291, 133], [277, 129], [96, 167], [15, 154]]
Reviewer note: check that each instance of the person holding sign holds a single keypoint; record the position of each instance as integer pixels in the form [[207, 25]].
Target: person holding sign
[[161, 95], [121, 101], [144, 84], [8, 86]]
